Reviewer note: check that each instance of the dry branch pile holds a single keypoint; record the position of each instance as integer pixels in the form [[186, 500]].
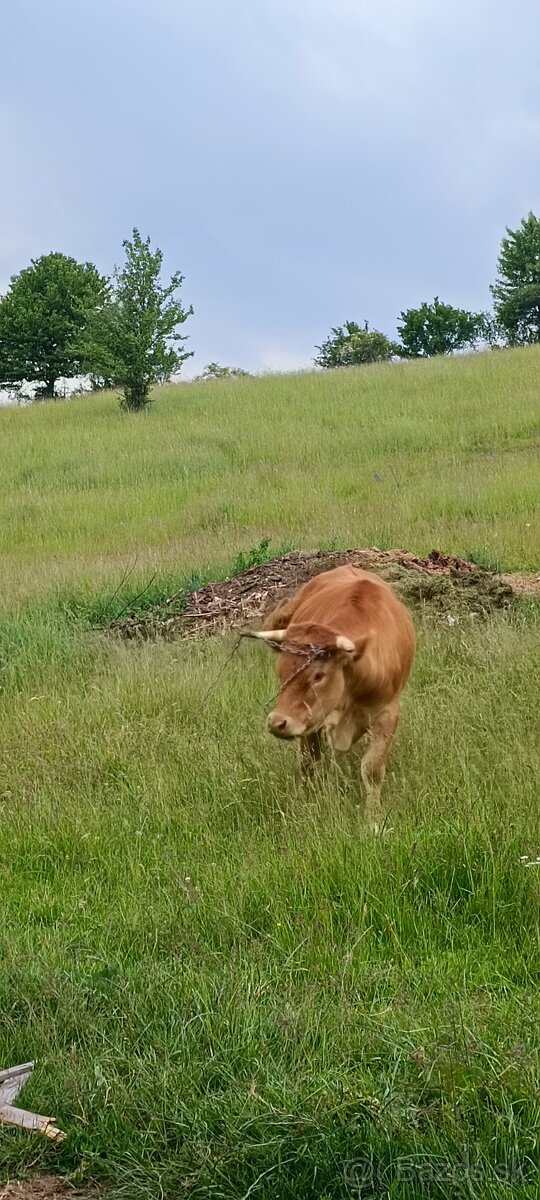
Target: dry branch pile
[[440, 582]]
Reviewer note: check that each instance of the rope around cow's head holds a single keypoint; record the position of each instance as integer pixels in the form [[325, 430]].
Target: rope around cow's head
[[310, 652]]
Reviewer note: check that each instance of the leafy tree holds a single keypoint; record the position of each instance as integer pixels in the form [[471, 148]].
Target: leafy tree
[[516, 293], [43, 316], [438, 329], [349, 345], [215, 370], [493, 334], [133, 339]]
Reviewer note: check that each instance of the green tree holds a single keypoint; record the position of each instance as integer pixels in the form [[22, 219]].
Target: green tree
[[43, 316], [516, 294], [215, 370], [349, 345], [439, 329], [133, 339]]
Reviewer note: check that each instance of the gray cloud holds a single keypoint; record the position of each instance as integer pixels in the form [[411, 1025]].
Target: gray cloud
[[302, 161]]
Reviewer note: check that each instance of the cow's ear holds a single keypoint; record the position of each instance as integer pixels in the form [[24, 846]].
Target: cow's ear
[[350, 650]]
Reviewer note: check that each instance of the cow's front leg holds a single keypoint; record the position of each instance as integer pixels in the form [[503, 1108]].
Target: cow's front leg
[[310, 753], [380, 734]]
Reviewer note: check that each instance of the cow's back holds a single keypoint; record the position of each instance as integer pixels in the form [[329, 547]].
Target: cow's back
[[356, 603]]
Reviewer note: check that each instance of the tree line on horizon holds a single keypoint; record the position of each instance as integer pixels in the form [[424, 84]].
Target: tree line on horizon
[[61, 318], [439, 328]]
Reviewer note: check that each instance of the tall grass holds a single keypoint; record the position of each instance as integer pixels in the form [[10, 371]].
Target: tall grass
[[415, 455], [230, 989]]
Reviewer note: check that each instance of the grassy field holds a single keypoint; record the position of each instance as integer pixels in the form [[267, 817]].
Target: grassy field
[[230, 989], [416, 455]]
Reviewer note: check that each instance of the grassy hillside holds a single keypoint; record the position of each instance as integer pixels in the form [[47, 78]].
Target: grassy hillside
[[415, 455], [231, 990]]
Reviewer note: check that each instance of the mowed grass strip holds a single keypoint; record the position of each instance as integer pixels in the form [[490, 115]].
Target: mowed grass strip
[[442, 453], [229, 988]]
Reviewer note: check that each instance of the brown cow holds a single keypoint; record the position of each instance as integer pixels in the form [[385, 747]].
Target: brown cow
[[347, 647]]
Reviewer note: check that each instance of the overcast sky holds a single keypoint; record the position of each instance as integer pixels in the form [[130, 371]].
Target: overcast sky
[[301, 161]]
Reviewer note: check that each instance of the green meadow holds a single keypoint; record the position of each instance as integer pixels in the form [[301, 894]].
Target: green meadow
[[229, 987]]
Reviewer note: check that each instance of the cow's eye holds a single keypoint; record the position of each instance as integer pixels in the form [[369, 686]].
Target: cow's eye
[[318, 676]]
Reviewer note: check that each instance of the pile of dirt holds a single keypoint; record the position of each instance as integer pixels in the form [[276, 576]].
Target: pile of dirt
[[440, 583]]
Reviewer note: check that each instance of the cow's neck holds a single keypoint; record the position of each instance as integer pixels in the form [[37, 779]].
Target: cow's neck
[[341, 730]]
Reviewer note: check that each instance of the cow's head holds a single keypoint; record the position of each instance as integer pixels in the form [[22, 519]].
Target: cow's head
[[313, 665]]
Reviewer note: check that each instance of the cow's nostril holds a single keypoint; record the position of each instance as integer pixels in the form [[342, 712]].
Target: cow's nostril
[[277, 723]]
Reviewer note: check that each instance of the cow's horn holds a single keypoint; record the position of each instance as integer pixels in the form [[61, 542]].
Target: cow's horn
[[270, 635], [344, 643]]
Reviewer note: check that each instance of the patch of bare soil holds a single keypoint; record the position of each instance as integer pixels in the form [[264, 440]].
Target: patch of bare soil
[[523, 585], [440, 583], [46, 1188]]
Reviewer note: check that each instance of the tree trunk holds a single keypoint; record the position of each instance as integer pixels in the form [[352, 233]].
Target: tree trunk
[[49, 387], [135, 396]]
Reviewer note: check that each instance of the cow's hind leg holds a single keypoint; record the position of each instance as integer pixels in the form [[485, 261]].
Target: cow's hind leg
[[380, 734]]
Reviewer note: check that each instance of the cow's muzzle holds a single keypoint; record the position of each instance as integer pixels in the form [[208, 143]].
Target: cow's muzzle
[[284, 727]]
